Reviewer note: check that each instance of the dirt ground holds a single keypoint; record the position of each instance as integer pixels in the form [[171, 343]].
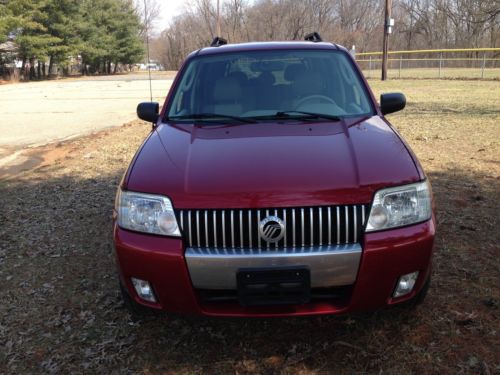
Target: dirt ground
[[60, 307]]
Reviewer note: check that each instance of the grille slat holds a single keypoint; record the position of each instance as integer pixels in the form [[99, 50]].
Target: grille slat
[[190, 230], [302, 227], [250, 227], [241, 228], [320, 226], [232, 229], [223, 229], [338, 225], [314, 226], [284, 219], [329, 225], [215, 227], [198, 228], [206, 229], [355, 231], [346, 224], [258, 233], [267, 214]]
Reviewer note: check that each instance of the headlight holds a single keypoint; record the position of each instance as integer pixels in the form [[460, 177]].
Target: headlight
[[399, 206], [146, 213]]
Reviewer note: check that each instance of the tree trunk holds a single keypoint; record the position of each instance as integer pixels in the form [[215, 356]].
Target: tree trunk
[[109, 67], [51, 64], [44, 74], [23, 69], [114, 69], [32, 68], [39, 70]]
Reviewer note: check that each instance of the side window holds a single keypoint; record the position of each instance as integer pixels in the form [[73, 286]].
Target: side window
[[182, 102], [354, 98]]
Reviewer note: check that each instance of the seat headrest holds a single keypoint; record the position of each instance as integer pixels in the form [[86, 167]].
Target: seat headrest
[[226, 89], [293, 71], [266, 78], [239, 76], [309, 84]]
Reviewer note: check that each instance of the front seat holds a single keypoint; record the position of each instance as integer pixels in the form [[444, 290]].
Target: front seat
[[227, 97]]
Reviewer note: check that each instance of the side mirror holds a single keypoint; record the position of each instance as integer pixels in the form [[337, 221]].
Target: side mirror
[[392, 102], [148, 111]]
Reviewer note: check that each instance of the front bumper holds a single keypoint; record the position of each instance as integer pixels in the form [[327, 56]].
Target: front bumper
[[329, 265], [385, 256]]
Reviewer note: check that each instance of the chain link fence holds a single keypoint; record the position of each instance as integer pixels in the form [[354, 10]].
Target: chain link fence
[[470, 63]]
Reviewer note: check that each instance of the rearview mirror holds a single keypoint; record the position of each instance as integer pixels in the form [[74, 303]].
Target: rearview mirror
[[148, 111], [392, 102]]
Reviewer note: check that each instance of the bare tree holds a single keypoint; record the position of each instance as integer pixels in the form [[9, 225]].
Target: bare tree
[[419, 23]]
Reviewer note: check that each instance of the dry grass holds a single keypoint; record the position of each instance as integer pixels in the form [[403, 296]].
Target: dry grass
[[60, 307], [432, 73]]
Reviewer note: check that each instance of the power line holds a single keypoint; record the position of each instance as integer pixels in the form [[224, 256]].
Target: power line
[[146, 23]]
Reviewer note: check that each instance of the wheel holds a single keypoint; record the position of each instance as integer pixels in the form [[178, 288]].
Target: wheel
[[136, 310], [314, 97]]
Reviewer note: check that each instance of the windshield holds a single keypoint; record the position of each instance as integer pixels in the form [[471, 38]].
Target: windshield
[[269, 84]]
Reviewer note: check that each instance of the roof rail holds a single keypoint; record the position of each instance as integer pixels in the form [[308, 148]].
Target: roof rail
[[218, 41], [313, 37]]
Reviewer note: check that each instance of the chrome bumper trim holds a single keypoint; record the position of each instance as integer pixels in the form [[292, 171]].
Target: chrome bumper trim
[[215, 268]]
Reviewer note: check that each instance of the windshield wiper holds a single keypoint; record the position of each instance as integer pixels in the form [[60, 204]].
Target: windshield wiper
[[211, 116], [310, 115]]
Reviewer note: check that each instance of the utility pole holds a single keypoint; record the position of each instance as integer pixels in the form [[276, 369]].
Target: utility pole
[[388, 23], [218, 18]]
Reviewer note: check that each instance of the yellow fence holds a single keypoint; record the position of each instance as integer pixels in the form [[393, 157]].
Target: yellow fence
[[470, 63]]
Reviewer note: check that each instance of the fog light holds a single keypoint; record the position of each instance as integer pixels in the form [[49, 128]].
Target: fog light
[[144, 290], [405, 284]]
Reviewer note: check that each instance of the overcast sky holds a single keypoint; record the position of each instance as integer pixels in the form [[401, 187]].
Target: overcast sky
[[168, 10]]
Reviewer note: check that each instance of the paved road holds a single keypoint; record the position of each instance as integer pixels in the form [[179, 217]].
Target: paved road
[[43, 112]]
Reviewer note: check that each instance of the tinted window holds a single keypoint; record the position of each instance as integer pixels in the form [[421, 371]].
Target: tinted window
[[260, 83]]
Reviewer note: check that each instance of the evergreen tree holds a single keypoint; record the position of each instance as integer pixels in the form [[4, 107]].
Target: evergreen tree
[[29, 32], [102, 32], [60, 23]]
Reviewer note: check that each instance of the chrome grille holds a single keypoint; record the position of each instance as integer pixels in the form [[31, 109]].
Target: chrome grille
[[304, 227]]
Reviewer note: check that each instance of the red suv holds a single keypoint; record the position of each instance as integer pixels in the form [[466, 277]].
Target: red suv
[[271, 185]]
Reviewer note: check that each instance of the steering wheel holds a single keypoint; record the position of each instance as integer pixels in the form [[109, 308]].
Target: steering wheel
[[309, 98]]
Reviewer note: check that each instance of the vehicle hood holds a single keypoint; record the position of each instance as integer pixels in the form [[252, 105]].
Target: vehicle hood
[[287, 164]]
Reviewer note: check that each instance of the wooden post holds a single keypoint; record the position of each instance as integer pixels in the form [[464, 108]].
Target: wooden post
[[385, 50], [440, 63], [370, 68], [484, 65]]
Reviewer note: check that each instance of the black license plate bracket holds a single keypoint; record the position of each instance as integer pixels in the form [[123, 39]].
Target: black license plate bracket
[[273, 286]]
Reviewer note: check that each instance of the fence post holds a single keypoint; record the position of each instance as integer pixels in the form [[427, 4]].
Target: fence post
[[440, 63], [400, 64], [484, 64], [370, 68]]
